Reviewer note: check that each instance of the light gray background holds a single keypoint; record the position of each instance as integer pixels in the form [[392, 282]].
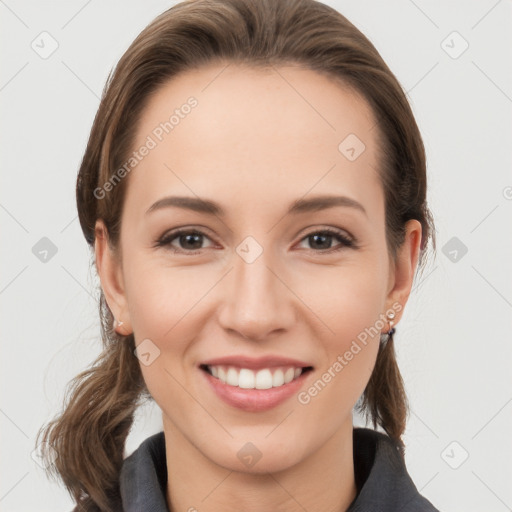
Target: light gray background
[[454, 344]]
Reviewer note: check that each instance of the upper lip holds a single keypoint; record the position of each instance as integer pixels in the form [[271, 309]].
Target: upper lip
[[256, 362]]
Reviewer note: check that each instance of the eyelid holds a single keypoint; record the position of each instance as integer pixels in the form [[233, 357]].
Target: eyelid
[[171, 235], [310, 230]]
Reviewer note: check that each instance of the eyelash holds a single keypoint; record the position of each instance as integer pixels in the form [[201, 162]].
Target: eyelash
[[165, 241]]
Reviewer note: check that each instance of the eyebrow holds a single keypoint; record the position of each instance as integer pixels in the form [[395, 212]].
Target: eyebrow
[[209, 207]]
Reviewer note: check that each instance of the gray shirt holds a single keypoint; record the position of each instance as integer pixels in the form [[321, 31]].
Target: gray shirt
[[382, 481]]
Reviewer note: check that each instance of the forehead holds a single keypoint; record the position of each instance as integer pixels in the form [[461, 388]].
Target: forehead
[[268, 132]]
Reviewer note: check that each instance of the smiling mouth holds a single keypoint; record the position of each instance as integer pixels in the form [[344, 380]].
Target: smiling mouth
[[264, 378]]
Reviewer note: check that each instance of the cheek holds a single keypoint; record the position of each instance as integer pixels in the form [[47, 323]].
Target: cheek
[[163, 306], [353, 312], [351, 305], [161, 299], [348, 299]]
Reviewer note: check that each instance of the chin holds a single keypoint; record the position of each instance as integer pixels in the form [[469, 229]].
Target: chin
[[253, 457]]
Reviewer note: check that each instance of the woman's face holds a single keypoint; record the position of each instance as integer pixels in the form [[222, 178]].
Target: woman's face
[[257, 279]]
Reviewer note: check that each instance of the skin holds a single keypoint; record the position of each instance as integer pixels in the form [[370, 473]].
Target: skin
[[257, 141]]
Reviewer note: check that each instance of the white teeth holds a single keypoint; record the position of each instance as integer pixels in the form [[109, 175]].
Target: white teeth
[[249, 379], [263, 379], [246, 378], [288, 375], [232, 377], [278, 378]]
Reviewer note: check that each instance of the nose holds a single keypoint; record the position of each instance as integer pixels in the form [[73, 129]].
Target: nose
[[257, 303]]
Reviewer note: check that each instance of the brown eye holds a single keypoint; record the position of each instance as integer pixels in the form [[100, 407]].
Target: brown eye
[[321, 241], [187, 241]]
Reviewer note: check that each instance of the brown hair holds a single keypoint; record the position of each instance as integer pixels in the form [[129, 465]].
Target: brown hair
[[89, 436]]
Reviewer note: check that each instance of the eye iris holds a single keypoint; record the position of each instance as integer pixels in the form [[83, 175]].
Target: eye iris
[[321, 236], [184, 240]]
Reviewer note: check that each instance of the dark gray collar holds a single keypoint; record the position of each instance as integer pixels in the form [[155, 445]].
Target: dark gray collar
[[382, 481]]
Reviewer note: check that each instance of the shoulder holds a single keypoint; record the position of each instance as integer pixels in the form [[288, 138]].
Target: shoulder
[[382, 479], [150, 453], [143, 477]]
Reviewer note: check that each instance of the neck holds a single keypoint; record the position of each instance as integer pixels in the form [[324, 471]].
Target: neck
[[323, 481]]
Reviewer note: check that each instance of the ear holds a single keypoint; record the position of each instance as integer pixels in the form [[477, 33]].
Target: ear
[[402, 270], [108, 265]]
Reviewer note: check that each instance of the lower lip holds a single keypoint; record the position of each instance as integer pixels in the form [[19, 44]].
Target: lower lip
[[254, 400]]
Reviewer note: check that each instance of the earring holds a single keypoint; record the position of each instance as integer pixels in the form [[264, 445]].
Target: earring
[[117, 323], [388, 335]]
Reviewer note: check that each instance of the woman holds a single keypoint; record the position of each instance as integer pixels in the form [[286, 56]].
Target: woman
[[272, 138]]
